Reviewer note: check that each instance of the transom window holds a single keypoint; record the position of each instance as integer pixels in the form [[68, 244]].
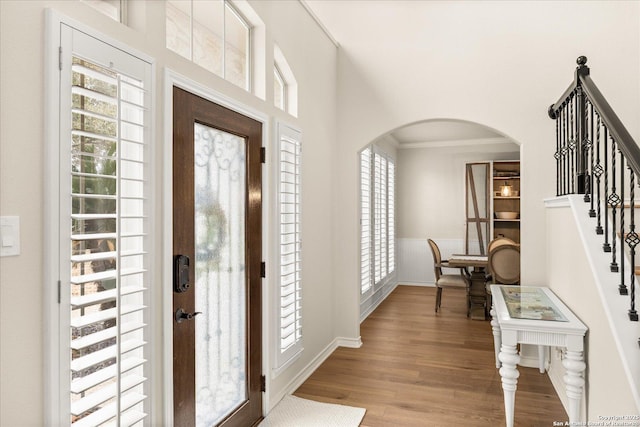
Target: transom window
[[285, 87], [279, 90], [212, 34], [114, 9]]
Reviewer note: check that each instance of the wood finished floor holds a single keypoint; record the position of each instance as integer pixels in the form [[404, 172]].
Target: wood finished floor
[[416, 368]]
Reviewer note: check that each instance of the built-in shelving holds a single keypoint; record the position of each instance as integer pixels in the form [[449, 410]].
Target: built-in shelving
[[506, 198]]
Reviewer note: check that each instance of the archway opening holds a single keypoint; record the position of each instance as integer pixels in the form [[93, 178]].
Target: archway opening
[[430, 162]]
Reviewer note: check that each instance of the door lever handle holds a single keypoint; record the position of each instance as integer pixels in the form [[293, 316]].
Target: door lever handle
[[182, 315]]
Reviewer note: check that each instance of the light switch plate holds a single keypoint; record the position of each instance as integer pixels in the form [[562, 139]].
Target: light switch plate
[[9, 236]]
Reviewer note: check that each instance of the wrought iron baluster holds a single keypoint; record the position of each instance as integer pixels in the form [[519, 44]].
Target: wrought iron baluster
[[592, 212], [556, 155], [632, 240], [572, 146], [606, 246], [598, 172], [622, 288], [586, 143], [614, 202], [564, 150]]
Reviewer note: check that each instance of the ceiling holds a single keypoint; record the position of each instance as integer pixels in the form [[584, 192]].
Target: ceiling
[[434, 133], [356, 24]]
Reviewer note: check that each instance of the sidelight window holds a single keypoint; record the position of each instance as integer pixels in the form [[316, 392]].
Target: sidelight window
[[100, 223], [290, 245]]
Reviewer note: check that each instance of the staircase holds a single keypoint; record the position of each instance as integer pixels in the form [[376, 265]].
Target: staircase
[[597, 161]]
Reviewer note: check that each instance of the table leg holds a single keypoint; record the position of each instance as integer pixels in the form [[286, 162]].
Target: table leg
[[574, 382], [510, 358], [497, 336], [477, 295]]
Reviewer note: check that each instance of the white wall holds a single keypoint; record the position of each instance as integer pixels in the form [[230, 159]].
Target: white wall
[[431, 202], [431, 188], [498, 64], [573, 278], [313, 59]]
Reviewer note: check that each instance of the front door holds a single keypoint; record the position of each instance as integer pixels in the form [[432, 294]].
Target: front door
[[217, 230]]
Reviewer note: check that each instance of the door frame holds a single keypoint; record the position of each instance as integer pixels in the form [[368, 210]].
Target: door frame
[[171, 79]]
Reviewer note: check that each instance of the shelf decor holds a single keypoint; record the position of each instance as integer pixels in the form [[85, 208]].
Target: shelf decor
[[505, 206], [506, 190]]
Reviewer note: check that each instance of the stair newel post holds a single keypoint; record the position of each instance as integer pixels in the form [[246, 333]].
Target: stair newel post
[[598, 172], [614, 202], [632, 240], [622, 288], [592, 212], [606, 246], [581, 129]]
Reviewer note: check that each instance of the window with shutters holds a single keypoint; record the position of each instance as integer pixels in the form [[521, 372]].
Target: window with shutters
[[212, 34], [377, 218], [289, 316], [102, 211], [365, 220]]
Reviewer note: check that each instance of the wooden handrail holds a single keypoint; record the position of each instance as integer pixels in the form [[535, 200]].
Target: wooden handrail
[[617, 130]]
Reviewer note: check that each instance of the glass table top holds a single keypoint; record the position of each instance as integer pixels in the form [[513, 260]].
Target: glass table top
[[525, 302]]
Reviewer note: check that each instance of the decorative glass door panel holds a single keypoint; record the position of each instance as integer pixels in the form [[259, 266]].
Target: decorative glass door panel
[[220, 282], [217, 255]]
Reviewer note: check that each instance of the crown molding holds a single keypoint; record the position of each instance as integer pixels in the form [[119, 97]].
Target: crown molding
[[319, 22], [455, 143]]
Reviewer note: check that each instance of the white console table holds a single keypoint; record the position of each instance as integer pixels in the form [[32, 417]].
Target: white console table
[[534, 315]]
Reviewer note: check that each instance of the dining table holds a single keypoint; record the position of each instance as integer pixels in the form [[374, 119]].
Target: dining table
[[477, 294]]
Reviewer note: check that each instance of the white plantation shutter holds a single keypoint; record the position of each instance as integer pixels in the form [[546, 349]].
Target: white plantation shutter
[[290, 245], [104, 257], [365, 220], [380, 216], [377, 218], [391, 215]]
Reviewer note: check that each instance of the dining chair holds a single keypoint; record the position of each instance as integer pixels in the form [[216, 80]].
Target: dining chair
[[498, 241], [504, 264], [456, 281]]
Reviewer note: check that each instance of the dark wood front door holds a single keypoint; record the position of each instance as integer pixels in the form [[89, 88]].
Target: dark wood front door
[[217, 251]]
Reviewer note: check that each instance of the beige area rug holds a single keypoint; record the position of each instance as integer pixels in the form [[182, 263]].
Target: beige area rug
[[297, 412]]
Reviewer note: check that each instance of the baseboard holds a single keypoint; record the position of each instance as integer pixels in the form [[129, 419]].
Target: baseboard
[[528, 362], [375, 305], [349, 342], [423, 284], [311, 367]]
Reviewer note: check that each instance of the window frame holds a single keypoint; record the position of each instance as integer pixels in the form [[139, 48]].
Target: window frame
[[58, 51]]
